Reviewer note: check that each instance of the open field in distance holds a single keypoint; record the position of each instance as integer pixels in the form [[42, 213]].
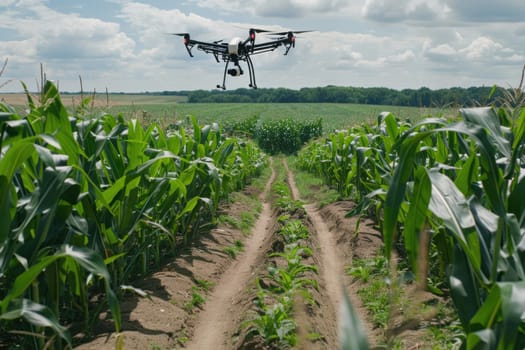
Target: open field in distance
[[169, 109]]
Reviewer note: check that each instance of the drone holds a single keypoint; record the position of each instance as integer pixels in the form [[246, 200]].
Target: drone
[[240, 50]]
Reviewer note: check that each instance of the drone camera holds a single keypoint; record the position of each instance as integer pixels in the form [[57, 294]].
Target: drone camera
[[235, 72]]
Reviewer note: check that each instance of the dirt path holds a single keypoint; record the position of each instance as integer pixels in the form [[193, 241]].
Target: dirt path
[[165, 320], [216, 322], [331, 262], [336, 253], [332, 265]]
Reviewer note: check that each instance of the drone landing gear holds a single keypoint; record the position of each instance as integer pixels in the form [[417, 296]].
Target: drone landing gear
[[237, 71], [223, 86], [251, 71]]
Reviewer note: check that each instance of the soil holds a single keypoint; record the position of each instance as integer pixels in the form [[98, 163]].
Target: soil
[[164, 320]]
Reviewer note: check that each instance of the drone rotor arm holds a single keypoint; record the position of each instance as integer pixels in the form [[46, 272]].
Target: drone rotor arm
[[267, 46], [214, 49], [269, 49], [210, 46]]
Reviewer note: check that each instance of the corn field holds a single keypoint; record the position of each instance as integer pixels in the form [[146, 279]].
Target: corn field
[[448, 193], [90, 202], [87, 203]]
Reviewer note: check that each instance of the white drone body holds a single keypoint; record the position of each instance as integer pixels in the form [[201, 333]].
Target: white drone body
[[233, 46]]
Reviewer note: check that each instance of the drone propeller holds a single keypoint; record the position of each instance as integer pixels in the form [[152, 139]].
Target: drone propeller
[[185, 35], [258, 30], [288, 32], [290, 35]]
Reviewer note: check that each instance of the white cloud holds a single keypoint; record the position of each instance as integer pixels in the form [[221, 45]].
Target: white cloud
[[54, 35], [395, 11], [425, 42], [488, 10], [444, 11], [481, 50], [441, 52], [402, 57], [277, 8]]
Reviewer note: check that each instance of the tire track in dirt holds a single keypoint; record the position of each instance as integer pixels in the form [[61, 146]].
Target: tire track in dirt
[[219, 318], [333, 262], [332, 268]]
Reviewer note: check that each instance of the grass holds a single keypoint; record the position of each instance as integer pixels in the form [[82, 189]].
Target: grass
[[197, 299], [314, 336], [244, 220], [235, 249], [170, 109], [312, 188], [247, 221], [259, 183], [204, 285], [373, 273], [229, 220], [390, 303], [181, 337], [334, 115]]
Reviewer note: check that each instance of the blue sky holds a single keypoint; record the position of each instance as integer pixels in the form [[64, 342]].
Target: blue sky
[[125, 46]]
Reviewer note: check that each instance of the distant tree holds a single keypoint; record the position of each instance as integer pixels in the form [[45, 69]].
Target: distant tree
[[422, 97]]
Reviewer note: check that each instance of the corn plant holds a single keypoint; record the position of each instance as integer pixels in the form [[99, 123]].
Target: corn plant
[[46, 269], [286, 135], [274, 303], [356, 161], [473, 209], [459, 182], [293, 231], [274, 323], [88, 202]]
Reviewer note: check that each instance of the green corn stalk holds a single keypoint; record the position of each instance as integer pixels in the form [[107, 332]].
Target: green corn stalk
[[486, 235], [89, 202]]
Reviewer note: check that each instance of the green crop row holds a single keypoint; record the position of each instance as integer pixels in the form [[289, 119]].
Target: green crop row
[[287, 277], [448, 195], [285, 136], [87, 203]]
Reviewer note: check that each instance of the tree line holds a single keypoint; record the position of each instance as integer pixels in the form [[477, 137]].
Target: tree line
[[422, 97]]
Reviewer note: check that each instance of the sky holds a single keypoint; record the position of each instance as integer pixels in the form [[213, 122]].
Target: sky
[[127, 46]]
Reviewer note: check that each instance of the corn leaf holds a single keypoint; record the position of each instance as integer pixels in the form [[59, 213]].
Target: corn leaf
[[489, 120], [396, 193], [464, 289], [5, 210], [352, 334], [416, 216], [449, 204], [36, 314], [87, 258]]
